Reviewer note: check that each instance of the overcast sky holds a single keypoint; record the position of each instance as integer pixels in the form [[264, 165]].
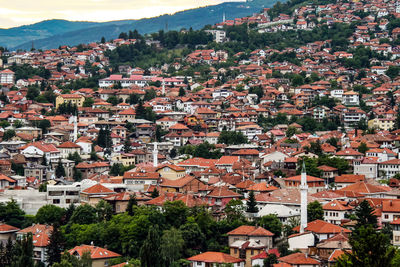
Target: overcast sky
[[21, 12]]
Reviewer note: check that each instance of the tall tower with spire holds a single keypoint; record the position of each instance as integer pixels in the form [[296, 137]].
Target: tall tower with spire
[[303, 195], [223, 17], [75, 128], [163, 87], [155, 155]]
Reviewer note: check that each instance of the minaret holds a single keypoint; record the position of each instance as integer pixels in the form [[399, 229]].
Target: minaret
[[303, 195], [223, 17], [75, 128], [163, 87], [155, 155]]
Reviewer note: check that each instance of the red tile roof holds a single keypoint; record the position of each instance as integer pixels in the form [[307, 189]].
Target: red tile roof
[[5, 228], [215, 257], [322, 227], [40, 234], [299, 259], [98, 189], [249, 230], [95, 252]]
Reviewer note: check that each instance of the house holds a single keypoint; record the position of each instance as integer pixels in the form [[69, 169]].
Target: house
[[299, 260], [335, 211], [171, 171], [94, 194], [328, 173], [220, 196], [328, 246], [390, 210], [41, 239], [182, 185], [88, 169], [141, 178], [323, 230], [7, 231], [39, 150], [315, 184], [74, 99], [6, 182], [100, 256], [120, 201], [210, 259], [68, 148], [348, 179], [396, 232], [7, 77], [247, 241]]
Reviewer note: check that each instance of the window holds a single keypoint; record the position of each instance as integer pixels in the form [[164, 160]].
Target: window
[[56, 201], [199, 263], [397, 238], [386, 216]]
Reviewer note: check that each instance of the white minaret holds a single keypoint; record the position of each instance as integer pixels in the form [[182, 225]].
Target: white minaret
[[163, 87], [223, 17], [155, 155], [303, 195], [75, 128]]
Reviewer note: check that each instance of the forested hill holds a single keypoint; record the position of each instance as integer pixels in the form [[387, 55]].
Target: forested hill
[[72, 33]]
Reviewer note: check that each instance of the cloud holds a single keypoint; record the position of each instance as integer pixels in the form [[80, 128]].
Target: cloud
[[18, 12]]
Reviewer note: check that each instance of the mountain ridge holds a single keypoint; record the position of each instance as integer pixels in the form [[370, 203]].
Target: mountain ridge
[[53, 33]]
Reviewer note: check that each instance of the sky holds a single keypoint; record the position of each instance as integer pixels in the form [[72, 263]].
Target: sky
[[21, 12]]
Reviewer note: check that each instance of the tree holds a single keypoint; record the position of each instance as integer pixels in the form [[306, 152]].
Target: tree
[[232, 138], [44, 125], [68, 260], [363, 148], [291, 131], [131, 203], [60, 171], [270, 260], [252, 203], [104, 211], [23, 255], [315, 211], [127, 145], [89, 101], [49, 214], [369, 248], [175, 212], [104, 138], [234, 210], [150, 250], [140, 110], [393, 72], [171, 246], [182, 91], [75, 157], [155, 193], [173, 153], [113, 100], [272, 223], [193, 236], [150, 94], [8, 135], [33, 92], [365, 215], [84, 214], [12, 214], [56, 245]]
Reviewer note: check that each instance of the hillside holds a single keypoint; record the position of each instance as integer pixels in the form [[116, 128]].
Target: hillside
[[52, 33]]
